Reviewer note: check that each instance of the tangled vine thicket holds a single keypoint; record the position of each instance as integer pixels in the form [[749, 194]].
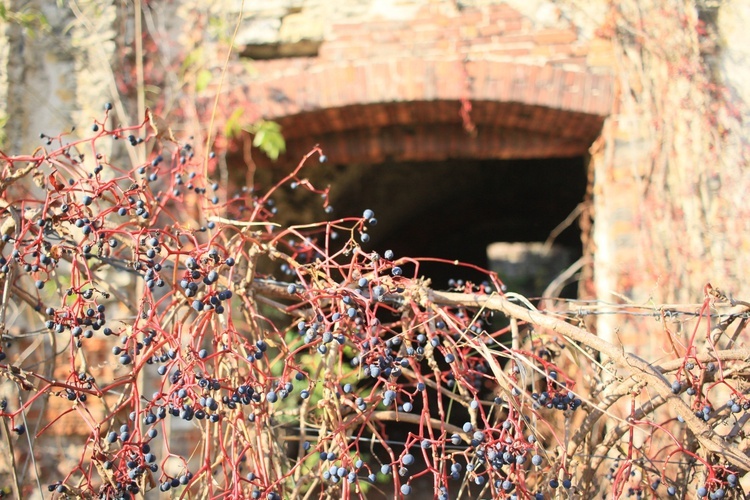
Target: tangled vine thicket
[[294, 354], [161, 325]]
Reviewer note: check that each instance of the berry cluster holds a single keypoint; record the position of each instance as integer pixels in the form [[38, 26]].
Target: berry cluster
[[302, 361]]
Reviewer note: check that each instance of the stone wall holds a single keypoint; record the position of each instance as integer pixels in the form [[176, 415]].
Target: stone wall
[[57, 69]]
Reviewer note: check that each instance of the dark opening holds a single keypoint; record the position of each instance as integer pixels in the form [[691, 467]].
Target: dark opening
[[455, 209], [266, 51]]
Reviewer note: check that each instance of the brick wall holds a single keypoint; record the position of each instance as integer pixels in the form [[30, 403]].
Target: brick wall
[[534, 89], [389, 79]]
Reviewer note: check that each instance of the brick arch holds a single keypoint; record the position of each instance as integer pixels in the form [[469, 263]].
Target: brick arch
[[409, 109]]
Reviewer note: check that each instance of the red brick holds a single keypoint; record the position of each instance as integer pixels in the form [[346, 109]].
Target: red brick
[[530, 93], [348, 29], [555, 36], [491, 29], [575, 94], [381, 37], [384, 24], [512, 39], [503, 12], [599, 95], [504, 87], [471, 16], [501, 51], [345, 74], [600, 53], [568, 62], [541, 50], [513, 25]]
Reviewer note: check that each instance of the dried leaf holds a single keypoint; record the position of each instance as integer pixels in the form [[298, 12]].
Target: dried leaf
[[38, 178]]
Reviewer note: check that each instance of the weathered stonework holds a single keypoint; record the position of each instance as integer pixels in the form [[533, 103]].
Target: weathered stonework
[[93, 44], [58, 74], [4, 56], [41, 89]]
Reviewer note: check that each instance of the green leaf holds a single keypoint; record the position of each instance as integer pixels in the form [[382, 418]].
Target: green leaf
[[259, 138], [202, 80], [27, 19], [233, 128], [268, 138]]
